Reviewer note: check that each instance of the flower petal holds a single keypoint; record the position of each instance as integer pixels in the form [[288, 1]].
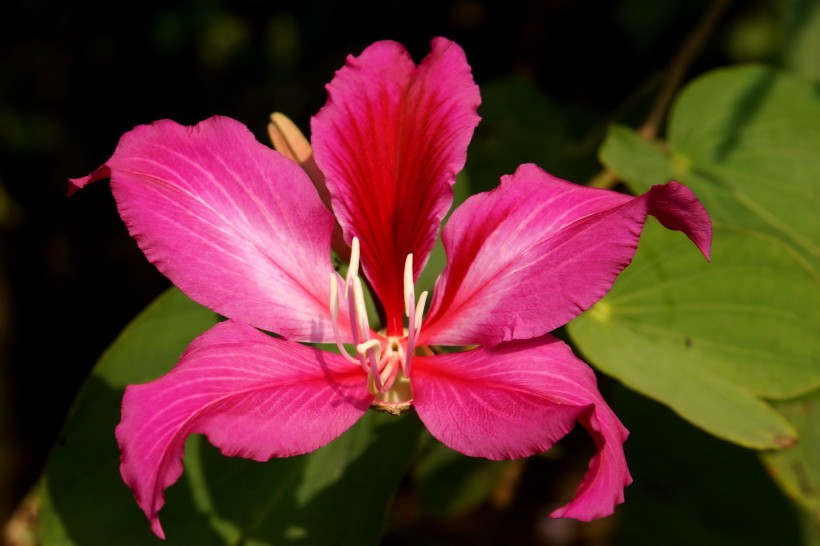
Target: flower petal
[[517, 399], [537, 251], [235, 225], [390, 141], [252, 395]]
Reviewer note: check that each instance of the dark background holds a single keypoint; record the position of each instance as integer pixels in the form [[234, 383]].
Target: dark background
[[74, 78]]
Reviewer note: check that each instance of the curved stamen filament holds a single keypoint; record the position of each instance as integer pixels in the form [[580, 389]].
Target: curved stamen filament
[[353, 267], [413, 312], [413, 331], [373, 349], [361, 309], [334, 315]]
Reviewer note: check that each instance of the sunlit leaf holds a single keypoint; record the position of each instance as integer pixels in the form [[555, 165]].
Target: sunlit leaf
[[714, 341]]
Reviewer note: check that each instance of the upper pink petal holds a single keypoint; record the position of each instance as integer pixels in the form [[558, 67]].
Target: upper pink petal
[[235, 225], [252, 395], [537, 251], [390, 141], [517, 399]]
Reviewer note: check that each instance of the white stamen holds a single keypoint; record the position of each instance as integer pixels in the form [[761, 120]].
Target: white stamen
[[388, 373], [419, 312], [383, 366], [361, 309], [408, 283], [362, 348], [372, 349], [411, 333], [353, 268], [334, 315]]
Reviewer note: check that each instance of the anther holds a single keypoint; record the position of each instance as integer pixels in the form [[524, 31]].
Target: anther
[[374, 344], [372, 349]]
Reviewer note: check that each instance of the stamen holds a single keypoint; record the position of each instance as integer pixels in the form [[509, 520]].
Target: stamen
[[389, 373], [411, 333], [420, 312], [361, 309], [373, 350], [334, 315], [353, 268], [408, 283], [362, 348], [384, 366]]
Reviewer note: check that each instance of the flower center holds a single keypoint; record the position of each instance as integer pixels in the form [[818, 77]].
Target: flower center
[[386, 361]]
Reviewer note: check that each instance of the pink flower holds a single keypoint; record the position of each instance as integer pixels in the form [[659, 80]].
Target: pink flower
[[242, 230]]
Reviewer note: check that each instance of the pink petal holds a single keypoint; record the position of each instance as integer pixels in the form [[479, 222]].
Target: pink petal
[[235, 225], [517, 399], [537, 251], [390, 141], [252, 395]]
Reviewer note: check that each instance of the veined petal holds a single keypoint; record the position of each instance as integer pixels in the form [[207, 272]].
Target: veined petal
[[517, 399], [537, 251], [252, 395], [390, 141], [235, 225]]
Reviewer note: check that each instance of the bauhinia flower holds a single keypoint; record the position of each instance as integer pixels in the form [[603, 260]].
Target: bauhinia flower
[[242, 229]]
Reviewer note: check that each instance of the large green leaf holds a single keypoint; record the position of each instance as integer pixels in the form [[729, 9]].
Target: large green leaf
[[714, 340], [218, 500]]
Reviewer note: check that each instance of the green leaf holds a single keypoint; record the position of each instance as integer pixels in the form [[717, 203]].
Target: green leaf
[[751, 136], [637, 161], [697, 337], [218, 500], [714, 340], [797, 469]]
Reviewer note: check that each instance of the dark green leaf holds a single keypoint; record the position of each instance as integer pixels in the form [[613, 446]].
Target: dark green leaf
[[797, 469]]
